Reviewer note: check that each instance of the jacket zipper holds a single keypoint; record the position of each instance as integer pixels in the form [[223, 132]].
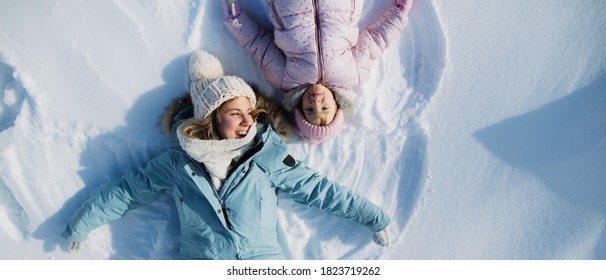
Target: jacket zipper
[[318, 36], [353, 9], [223, 208]]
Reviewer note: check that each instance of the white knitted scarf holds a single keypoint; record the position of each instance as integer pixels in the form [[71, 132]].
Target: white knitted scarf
[[217, 155]]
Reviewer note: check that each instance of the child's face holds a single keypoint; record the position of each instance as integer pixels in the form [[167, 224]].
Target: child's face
[[234, 118], [318, 105]]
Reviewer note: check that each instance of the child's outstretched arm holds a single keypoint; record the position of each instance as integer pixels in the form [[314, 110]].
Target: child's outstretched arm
[[257, 41], [375, 39]]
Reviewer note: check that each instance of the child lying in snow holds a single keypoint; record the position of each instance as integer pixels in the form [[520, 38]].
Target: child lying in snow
[[316, 55]]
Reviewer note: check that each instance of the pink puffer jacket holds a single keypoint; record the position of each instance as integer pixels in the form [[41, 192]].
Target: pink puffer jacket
[[317, 41]]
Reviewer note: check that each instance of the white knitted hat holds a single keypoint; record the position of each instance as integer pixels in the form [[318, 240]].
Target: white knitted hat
[[209, 88]]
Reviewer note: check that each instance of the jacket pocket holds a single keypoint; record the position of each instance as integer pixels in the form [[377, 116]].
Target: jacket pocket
[[268, 210], [197, 249], [197, 213], [190, 216]]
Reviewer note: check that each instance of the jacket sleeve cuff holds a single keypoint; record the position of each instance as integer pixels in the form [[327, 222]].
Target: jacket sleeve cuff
[[73, 236], [382, 222]]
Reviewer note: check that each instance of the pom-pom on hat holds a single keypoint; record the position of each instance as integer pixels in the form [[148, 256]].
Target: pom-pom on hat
[[209, 87], [318, 133]]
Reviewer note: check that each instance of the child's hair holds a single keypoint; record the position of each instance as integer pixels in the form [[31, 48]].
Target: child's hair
[[267, 111]]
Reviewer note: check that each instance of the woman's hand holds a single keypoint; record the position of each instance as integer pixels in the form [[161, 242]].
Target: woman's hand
[[75, 246], [382, 237]]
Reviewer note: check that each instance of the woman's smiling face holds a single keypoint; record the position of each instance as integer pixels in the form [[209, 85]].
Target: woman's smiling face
[[234, 118]]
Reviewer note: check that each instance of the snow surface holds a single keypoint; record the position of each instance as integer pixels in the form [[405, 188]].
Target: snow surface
[[482, 132]]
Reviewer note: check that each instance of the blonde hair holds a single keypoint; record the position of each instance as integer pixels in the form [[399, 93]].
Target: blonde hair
[[205, 128]]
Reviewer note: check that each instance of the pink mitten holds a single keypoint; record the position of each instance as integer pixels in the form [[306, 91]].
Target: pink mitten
[[404, 4], [231, 9]]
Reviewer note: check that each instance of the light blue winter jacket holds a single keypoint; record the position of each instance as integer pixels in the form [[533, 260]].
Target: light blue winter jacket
[[239, 222]]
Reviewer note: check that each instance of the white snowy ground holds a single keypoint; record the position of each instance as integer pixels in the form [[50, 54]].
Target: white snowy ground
[[482, 131]]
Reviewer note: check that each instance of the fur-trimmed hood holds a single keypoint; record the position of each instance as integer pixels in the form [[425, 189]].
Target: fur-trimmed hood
[[167, 120]]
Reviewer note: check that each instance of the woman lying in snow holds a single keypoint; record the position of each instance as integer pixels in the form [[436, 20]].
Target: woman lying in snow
[[224, 170], [316, 54]]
